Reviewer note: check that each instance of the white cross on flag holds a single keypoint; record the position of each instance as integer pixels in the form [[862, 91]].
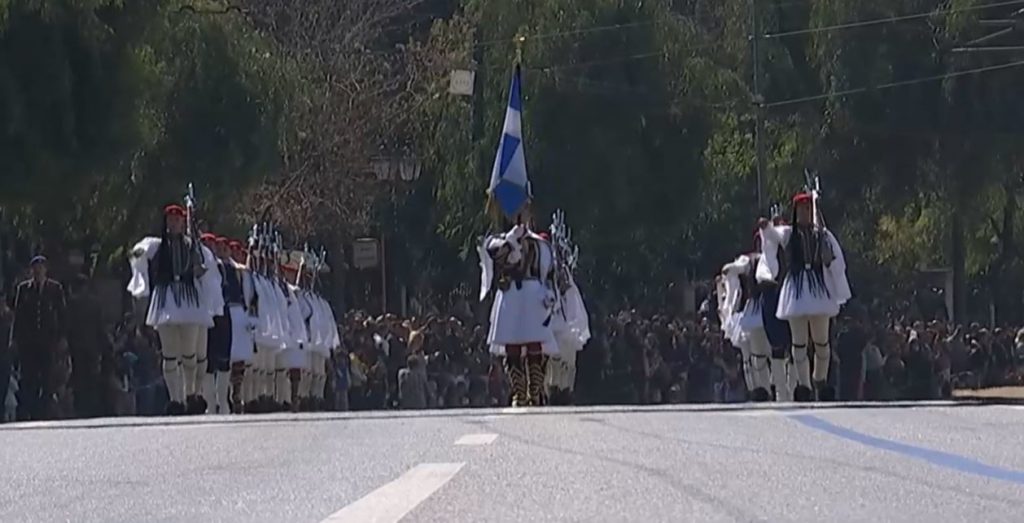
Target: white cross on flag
[[510, 187]]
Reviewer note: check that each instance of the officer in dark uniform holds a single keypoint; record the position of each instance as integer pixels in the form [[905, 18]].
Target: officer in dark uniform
[[38, 334]]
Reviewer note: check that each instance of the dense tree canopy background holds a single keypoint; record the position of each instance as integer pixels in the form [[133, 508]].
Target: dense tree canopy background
[[639, 123]]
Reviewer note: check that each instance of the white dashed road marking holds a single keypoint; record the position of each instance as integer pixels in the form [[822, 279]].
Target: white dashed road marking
[[476, 439], [393, 501]]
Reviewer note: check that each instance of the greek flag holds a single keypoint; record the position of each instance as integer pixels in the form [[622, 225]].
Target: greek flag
[[509, 186]]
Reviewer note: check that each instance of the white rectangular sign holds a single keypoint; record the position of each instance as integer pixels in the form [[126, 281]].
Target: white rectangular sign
[[461, 82]]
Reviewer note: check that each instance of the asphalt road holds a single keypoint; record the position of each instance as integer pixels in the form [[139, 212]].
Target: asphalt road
[[921, 463]]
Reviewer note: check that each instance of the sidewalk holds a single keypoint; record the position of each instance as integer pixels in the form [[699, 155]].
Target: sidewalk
[[1008, 394]]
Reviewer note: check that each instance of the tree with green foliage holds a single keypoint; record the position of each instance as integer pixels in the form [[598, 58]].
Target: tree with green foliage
[[639, 123], [110, 108]]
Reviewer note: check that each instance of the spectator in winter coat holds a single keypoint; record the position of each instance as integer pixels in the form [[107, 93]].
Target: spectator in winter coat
[[11, 400], [412, 384]]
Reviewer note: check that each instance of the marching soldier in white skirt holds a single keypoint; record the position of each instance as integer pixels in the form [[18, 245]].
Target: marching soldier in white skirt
[[307, 303], [172, 271], [240, 298], [524, 305], [230, 337], [742, 322], [323, 333], [570, 321], [814, 288], [330, 341], [294, 360], [214, 343], [270, 332]]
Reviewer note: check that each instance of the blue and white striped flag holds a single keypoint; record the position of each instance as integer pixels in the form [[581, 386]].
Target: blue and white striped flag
[[510, 187]]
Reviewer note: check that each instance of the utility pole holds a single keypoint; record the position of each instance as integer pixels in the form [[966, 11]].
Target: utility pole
[[755, 44], [1002, 27], [477, 126], [477, 132]]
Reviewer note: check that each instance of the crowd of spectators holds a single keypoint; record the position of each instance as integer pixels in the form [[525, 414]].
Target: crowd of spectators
[[442, 361], [638, 359], [656, 359], [415, 363]]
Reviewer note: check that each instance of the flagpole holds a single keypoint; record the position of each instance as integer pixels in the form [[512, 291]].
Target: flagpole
[[517, 71]]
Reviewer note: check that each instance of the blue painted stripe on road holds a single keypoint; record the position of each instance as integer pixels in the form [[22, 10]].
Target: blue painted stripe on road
[[935, 457]]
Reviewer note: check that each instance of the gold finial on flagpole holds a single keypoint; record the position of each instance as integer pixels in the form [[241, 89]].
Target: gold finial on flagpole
[[520, 38]]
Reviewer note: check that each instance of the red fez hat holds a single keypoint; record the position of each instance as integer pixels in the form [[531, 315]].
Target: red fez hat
[[802, 197], [545, 235], [208, 237], [235, 245], [174, 210]]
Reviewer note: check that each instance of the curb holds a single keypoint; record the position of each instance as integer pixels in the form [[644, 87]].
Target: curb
[[221, 420]]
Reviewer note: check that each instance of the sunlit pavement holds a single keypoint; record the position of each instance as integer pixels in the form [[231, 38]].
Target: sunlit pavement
[[901, 462]]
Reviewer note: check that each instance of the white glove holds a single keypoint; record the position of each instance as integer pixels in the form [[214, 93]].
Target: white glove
[[518, 232], [516, 252], [549, 301]]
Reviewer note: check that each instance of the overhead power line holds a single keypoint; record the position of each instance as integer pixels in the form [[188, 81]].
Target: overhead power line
[[570, 32], [627, 58], [891, 19], [901, 83], [589, 63], [837, 27]]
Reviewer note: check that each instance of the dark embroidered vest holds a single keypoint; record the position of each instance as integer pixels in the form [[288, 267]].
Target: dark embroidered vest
[[174, 272], [749, 290], [808, 252], [527, 268], [232, 286]]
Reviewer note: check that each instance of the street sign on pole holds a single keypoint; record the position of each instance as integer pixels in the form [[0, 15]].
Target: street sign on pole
[[365, 253], [461, 82]]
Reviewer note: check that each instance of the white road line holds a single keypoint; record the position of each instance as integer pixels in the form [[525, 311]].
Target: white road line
[[513, 410], [476, 439], [393, 501]]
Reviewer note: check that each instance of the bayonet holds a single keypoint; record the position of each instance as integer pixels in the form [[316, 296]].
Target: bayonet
[[814, 187]]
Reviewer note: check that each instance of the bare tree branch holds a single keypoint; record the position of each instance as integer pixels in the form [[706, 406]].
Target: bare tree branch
[[355, 103]]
